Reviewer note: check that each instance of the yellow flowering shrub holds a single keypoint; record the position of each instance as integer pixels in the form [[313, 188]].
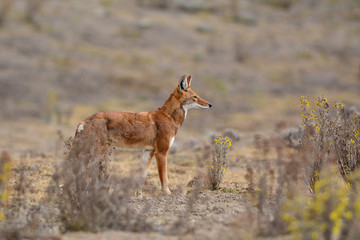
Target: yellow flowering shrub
[[334, 132], [5, 162], [328, 214], [216, 167]]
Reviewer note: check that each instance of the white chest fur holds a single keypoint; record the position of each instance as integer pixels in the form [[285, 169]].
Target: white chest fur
[[172, 141]]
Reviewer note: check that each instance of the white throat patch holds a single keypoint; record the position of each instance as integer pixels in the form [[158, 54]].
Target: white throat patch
[[192, 105], [185, 109], [80, 128]]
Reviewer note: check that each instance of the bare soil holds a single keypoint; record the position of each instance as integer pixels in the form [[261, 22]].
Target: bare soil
[[213, 215]]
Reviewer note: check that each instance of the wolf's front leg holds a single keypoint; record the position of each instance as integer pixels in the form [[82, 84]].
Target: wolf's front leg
[[145, 164], [161, 160]]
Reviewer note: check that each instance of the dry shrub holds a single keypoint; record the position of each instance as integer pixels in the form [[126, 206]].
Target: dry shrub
[[241, 49], [232, 134], [5, 6], [216, 167], [32, 8], [282, 4], [270, 180], [332, 135], [19, 218], [331, 213], [160, 4], [250, 178], [88, 197], [328, 153], [52, 110], [183, 224], [293, 137]]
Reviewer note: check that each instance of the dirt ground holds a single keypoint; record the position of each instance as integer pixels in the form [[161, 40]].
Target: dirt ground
[[214, 215]]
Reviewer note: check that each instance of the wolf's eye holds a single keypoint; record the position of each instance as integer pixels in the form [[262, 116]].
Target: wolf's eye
[[195, 97]]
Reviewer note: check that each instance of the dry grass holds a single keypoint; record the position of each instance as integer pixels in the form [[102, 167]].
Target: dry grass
[[88, 197], [5, 7], [116, 57], [32, 9]]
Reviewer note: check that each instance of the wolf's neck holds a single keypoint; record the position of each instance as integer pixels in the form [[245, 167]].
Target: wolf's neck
[[174, 110]]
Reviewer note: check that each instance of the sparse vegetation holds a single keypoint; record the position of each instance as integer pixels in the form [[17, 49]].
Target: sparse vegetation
[[88, 197], [52, 112], [5, 163], [334, 134], [5, 7], [20, 218], [240, 49], [250, 58], [283, 4], [33, 7], [331, 213]]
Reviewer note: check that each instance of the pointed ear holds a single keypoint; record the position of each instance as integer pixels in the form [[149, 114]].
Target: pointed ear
[[189, 81], [183, 83]]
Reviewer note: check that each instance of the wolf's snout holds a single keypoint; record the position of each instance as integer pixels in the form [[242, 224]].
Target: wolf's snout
[[210, 105]]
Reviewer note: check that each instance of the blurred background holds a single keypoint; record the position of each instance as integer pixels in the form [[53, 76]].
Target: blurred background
[[62, 60]]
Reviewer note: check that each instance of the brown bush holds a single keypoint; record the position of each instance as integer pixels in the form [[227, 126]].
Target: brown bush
[[274, 176], [90, 198], [5, 7], [33, 7], [333, 135], [22, 219]]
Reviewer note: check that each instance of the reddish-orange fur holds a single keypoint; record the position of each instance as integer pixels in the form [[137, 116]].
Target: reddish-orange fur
[[151, 131]]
